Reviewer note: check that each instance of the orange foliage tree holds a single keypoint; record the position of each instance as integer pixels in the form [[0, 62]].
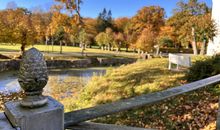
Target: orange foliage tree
[[146, 40]]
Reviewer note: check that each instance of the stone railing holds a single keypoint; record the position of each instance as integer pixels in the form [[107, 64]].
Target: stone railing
[[38, 112]]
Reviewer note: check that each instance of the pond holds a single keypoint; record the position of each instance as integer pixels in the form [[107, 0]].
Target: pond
[[61, 82]]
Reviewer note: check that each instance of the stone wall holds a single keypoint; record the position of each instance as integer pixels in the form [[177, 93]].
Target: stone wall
[[4, 57], [9, 65], [14, 64], [114, 61]]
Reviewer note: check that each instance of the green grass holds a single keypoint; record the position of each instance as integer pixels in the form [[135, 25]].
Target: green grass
[[69, 50], [56, 48]]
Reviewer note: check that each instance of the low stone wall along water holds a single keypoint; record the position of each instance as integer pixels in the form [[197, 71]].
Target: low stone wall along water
[[14, 64]]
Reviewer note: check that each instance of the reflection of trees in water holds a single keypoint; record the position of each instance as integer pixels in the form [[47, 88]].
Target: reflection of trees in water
[[64, 87], [67, 83]]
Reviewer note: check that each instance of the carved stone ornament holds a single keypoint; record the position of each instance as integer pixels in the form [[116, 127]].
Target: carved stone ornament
[[33, 77]]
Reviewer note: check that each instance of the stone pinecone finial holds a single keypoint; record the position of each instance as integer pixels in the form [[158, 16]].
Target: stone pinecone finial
[[33, 77]]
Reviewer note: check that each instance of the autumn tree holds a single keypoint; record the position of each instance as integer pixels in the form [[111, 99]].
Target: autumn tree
[[84, 39], [185, 22], [146, 40], [74, 23], [121, 23], [100, 39], [25, 30], [166, 38], [74, 34], [148, 16], [90, 28], [166, 34], [205, 30], [40, 23], [60, 36], [130, 36], [122, 32], [109, 38], [105, 39], [19, 30], [119, 39], [7, 25]]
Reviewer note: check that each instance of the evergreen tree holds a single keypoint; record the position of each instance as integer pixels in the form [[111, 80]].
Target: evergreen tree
[[104, 20]]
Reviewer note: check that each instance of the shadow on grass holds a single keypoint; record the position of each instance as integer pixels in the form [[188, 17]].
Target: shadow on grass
[[8, 50]]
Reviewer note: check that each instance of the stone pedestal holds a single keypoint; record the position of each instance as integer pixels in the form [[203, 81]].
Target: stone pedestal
[[4, 123], [48, 117]]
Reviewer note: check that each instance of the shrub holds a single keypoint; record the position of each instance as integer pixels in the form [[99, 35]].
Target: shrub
[[176, 50], [204, 68]]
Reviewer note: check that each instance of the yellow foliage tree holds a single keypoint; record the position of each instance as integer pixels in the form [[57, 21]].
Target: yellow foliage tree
[[146, 40]]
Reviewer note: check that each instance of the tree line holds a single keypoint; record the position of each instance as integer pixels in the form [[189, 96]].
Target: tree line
[[189, 26]]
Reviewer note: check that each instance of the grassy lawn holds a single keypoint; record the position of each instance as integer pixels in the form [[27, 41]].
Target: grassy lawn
[[141, 77], [56, 48], [68, 50], [195, 110]]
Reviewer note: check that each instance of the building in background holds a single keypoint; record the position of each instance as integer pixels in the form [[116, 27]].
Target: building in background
[[214, 46]]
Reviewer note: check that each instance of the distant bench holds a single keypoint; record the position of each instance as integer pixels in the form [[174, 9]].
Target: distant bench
[[179, 60]]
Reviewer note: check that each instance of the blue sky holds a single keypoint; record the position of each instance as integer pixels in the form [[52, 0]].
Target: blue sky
[[91, 8]]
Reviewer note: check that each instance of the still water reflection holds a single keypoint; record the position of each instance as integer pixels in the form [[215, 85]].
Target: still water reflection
[[61, 82]]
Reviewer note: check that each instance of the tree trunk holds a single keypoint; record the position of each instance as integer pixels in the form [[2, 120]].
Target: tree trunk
[[112, 48], [22, 48], [82, 49], [118, 49], [23, 42], [52, 43], [61, 47], [195, 51], [202, 52], [46, 41], [157, 50], [139, 51], [126, 48], [134, 50], [109, 47]]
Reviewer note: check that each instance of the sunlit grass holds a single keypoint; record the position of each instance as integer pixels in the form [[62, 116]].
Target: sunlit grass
[[66, 49], [45, 48], [128, 81], [192, 110]]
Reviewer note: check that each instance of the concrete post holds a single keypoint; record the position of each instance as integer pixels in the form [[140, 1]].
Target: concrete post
[[35, 111], [48, 117]]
